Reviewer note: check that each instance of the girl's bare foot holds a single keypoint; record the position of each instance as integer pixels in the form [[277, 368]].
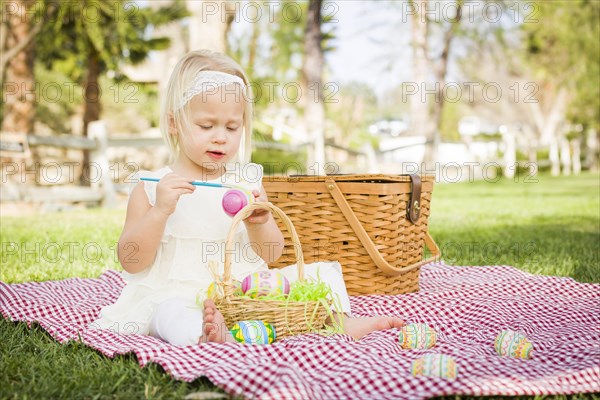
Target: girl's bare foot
[[214, 328], [360, 327]]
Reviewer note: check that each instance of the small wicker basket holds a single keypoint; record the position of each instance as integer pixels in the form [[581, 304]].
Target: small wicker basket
[[288, 317]]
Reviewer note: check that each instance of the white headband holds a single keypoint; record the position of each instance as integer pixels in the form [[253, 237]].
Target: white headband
[[208, 80]]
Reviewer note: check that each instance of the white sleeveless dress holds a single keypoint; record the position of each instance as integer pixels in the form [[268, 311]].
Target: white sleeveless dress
[[194, 234]]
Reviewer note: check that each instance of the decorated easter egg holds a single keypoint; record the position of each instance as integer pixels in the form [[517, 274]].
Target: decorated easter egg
[[417, 336], [513, 344], [215, 291], [263, 283], [234, 200], [253, 332], [438, 365]]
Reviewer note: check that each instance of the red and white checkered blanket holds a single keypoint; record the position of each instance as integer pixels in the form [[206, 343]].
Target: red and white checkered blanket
[[468, 306]]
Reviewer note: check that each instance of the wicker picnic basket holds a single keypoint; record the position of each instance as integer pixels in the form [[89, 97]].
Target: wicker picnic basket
[[374, 225], [288, 317]]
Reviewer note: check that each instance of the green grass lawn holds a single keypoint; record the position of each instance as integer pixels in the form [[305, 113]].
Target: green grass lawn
[[549, 227]]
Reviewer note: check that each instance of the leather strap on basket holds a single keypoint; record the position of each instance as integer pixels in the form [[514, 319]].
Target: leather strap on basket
[[366, 241], [413, 210]]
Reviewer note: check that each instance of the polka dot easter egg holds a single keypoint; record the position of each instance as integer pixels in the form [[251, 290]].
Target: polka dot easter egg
[[216, 292], [417, 336], [436, 365], [264, 283], [253, 332], [513, 344]]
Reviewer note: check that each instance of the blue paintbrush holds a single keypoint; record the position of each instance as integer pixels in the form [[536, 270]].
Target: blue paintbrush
[[200, 183]]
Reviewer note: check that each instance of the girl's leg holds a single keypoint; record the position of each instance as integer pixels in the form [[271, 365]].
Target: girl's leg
[[331, 273], [177, 321], [181, 322], [358, 327]]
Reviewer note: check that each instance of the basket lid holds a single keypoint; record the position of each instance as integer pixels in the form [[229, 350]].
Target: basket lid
[[375, 178]]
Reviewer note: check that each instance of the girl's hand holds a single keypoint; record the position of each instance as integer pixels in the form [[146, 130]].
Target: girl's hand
[[168, 191], [259, 216]]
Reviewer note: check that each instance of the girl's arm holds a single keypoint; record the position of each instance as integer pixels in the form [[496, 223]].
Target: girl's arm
[[145, 224], [264, 234]]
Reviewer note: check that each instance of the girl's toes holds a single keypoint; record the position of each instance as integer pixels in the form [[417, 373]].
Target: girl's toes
[[396, 323], [209, 304]]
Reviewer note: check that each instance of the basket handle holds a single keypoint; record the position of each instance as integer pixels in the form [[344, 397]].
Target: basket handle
[[366, 241], [245, 213]]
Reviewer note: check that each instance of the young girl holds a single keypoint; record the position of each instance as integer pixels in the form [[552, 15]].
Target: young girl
[[173, 228]]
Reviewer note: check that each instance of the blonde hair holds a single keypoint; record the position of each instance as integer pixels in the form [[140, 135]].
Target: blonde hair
[[182, 77]]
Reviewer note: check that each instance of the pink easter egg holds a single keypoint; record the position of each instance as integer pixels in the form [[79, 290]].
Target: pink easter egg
[[233, 201], [265, 283]]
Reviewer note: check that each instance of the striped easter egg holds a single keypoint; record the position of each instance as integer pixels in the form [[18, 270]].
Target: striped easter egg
[[253, 332], [435, 365], [513, 344], [263, 283], [417, 336]]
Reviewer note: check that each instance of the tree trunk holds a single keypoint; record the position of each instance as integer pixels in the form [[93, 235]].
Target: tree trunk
[[166, 59], [312, 69], [548, 125], [209, 24], [252, 49], [18, 114], [420, 123], [592, 145], [565, 156], [437, 111], [510, 153], [576, 146], [92, 109]]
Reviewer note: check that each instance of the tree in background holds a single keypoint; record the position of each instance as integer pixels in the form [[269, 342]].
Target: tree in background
[[287, 75], [312, 76], [561, 48], [22, 21], [425, 116], [272, 52], [210, 23], [548, 65], [93, 37]]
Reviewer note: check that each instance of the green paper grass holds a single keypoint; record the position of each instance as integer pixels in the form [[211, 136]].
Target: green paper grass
[[314, 291]]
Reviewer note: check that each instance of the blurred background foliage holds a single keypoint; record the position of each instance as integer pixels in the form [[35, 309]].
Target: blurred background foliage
[[86, 50]]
